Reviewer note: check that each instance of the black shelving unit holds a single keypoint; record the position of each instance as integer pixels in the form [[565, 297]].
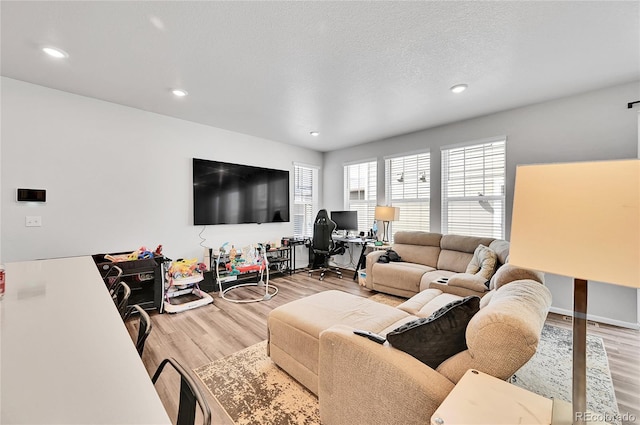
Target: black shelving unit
[[280, 260], [279, 264], [145, 277]]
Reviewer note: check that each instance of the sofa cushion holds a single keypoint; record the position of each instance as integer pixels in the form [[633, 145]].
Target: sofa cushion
[[455, 261], [463, 243], [434, 339], [508, 273], [426, 302], [501, 248], [418, 247], [457, 251], [402, 275], [294, 328], [483, 262]]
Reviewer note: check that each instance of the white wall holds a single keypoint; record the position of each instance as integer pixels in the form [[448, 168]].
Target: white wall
[[590, 126], [116, 177]]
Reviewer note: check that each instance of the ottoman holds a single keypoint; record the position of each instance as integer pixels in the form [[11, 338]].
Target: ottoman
[[294, 328]]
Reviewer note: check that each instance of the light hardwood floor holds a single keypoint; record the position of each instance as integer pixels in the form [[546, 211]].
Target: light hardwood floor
[[208, 333]]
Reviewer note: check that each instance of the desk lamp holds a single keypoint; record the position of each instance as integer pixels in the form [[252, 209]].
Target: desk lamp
[[580, 220], [386, 214]]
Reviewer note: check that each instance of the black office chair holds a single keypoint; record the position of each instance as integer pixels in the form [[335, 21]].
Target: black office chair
[[120, 293], [190, 394], [144, 326], [323, 246]]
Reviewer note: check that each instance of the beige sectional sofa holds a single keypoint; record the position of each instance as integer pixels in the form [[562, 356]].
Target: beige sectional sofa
[[361, 382], [427, 257]]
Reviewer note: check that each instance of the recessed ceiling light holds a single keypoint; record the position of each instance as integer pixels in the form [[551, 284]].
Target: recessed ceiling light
[[459, 88], [179, 92], [55, 52], [314, 133]]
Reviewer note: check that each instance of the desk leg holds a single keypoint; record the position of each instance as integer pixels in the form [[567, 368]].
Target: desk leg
[[362, 261], [292, 259]]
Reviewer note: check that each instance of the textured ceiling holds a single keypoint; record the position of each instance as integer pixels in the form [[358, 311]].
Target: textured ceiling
[[354, 71]]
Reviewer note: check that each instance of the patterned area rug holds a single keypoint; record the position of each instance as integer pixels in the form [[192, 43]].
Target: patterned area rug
[[253, 390], [549, 372]]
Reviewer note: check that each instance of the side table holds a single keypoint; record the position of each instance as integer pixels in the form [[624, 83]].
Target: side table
[[479, 398]]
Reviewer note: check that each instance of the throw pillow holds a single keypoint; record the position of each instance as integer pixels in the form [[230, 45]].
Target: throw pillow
[[483, 262], [434, 339]]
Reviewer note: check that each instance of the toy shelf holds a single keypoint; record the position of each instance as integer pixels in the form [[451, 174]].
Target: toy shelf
[[144, 276]]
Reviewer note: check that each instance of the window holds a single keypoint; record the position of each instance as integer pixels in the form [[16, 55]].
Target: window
[[360, 181], [305, 199], [407, 185], [473, 197]]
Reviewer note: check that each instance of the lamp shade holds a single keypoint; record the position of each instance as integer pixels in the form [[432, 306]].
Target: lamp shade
[[387, 213], [579, 219]]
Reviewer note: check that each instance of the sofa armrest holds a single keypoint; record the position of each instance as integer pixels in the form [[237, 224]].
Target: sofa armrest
[[362, 382], [456, 290], [470, 281], [372, 258]]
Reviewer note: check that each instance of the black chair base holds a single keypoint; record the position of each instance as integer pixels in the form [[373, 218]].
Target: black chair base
[[324, 270]]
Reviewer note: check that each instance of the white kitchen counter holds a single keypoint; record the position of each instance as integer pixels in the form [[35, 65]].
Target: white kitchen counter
[[65, 354]]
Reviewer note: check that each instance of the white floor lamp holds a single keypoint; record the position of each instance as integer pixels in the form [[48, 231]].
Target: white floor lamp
[[580, 220]]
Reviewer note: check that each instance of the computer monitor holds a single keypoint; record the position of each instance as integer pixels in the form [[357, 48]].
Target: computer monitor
[[345, 220]]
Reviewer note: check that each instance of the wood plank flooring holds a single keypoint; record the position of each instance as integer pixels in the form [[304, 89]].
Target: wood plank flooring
[[208, 333]]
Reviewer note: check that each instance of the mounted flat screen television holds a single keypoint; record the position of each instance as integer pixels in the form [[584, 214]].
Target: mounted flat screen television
[[225, 193]]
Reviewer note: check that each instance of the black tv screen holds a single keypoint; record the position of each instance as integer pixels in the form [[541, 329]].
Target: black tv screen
[[225, 193]]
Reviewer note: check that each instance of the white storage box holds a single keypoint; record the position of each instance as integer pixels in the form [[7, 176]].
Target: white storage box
[[362, 277]]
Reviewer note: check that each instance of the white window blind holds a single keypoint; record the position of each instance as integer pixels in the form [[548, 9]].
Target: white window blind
[[408, 187], [473, 197], [305, 200], [360, 191]]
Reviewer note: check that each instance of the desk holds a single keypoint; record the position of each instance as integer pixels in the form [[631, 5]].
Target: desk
[[65, 355], [293, 242], [364, 242]]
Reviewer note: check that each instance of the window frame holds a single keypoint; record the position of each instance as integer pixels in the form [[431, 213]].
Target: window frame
[[488, 230], [422, 168], [369, 191], [309, 209]]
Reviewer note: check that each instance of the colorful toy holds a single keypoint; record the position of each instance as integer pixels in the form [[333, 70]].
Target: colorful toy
[[183, 276], [181, 269], [139, 254], [252, 260]]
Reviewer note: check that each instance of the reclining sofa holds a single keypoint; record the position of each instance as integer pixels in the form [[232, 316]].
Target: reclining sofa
[[429, 257], [359, 381]]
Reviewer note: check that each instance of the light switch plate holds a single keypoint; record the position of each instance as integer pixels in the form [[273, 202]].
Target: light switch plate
[[33, 221]]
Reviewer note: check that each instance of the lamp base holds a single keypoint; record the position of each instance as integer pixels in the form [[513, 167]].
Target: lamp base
[[385, 237], [562, 414]]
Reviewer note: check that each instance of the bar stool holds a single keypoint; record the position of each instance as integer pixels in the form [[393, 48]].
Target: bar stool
[[190, 394], [144, 326], [120, 293]]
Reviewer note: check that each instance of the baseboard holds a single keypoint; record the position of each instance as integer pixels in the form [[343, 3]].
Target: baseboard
[[599, 319]]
